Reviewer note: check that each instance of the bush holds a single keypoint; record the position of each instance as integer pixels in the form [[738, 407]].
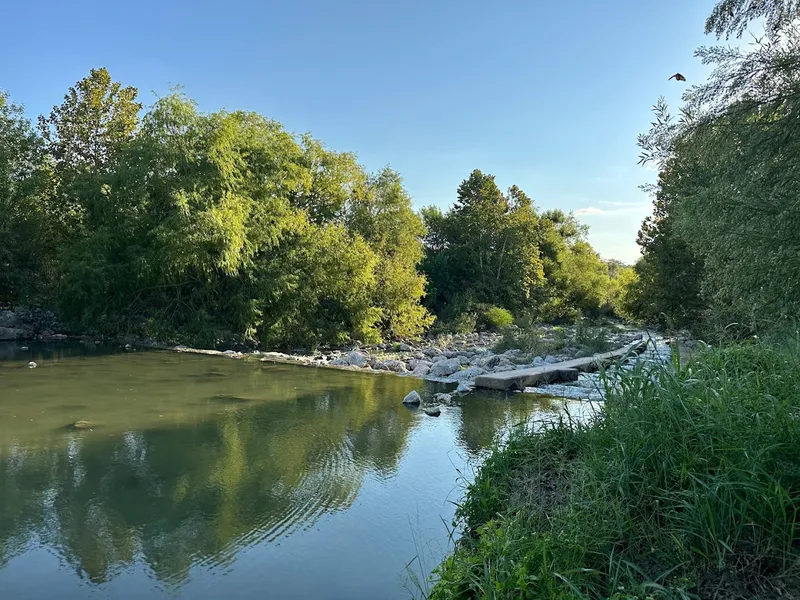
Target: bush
[[495, 318], [687, 483]]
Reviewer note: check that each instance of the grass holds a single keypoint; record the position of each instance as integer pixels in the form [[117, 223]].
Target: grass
[[686, 486]]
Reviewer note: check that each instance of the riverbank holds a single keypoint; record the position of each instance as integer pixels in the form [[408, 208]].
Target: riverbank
[[459, 358], [686, 485]]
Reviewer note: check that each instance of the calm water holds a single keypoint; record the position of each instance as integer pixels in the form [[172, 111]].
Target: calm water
[[203, 477]]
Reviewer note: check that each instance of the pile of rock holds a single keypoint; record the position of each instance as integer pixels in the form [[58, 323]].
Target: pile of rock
[[24, 323]]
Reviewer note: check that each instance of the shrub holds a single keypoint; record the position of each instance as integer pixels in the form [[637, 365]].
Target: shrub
[[496, 318]]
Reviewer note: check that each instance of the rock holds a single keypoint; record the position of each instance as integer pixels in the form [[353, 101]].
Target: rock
[[413, 397], [443, 398], [404, 347], [422, 370], [414, 363], [356, 359], [489, 361], [80, 425], [8, 319], [504, 365], [32, 365], [446, 367], [396, 366], [12, 333], [432, 411], [538, 361], [468, 373], [450, 354], [464, 360], [420, 356], [464, 387], [432, 351], [550, 359]]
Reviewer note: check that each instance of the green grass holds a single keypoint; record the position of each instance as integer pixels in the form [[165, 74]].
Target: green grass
[[686, 486]]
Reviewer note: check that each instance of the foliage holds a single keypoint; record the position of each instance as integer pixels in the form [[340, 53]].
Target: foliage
[[204, 227], [496, 249], [720, 252], [675, 490], [496, 318]]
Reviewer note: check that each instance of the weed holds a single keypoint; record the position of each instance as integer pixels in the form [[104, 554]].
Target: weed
[[687, 485]]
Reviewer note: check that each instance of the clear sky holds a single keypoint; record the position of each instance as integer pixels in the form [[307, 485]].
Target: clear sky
[[548, 95]]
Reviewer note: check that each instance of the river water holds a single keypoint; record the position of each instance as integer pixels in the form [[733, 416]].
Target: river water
[[206, 477]]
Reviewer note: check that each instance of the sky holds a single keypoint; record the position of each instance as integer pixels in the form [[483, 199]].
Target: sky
[[549, 96]]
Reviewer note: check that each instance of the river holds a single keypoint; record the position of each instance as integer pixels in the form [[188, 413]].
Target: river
[[206, 477]]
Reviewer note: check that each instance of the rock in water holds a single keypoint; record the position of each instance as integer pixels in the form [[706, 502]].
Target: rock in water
[[80, 425], [412, 398], [432, 411], [32, 365], [464, 387], [443, 368], [443, 398], [356, 359]]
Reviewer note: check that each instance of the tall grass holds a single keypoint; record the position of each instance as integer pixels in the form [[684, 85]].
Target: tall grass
[[686, 486]]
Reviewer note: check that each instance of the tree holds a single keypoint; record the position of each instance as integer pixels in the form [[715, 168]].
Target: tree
[[483, 250], [25, 253]]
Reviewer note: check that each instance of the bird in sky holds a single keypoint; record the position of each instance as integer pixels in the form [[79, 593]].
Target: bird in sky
[[678, 77]]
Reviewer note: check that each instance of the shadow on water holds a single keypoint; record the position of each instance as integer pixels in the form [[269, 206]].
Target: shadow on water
[[143, 463]]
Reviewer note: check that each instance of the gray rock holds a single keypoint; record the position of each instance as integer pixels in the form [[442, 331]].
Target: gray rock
[[414, 363], [550, 359], [404, 347], [413, 397], [538, 361], [396, 366], [464, 360], [443, 398], [438, 358], [489, 361], [432, 411], [504, 365], [468, 373], [419, 356], [443, 368], [451, 354], [356, 359], [464, 387], [422, 370], [432, 351]]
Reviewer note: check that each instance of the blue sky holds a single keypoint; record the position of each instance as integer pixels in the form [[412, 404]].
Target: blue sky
[[546, 95]]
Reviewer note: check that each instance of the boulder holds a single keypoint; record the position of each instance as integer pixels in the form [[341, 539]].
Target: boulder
[[538, 361], [464, 387], [489, 361], [422, 370], [464, 360], [396, 366], [413, 397], [432, 351], [404, 347], [468, 373], [550, 359], [432, 411], [443, 398], [446, 367], [413, 363], [356, 359]]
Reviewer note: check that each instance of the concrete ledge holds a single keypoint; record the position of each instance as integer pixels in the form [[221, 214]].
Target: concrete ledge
[[556, 372]]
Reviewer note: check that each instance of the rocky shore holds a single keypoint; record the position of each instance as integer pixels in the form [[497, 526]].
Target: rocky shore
[[451, 359]]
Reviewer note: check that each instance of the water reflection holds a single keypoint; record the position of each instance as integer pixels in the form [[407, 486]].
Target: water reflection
[[185, 461]]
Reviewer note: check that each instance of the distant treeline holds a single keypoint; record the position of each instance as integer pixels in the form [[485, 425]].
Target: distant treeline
[[173, 223]]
